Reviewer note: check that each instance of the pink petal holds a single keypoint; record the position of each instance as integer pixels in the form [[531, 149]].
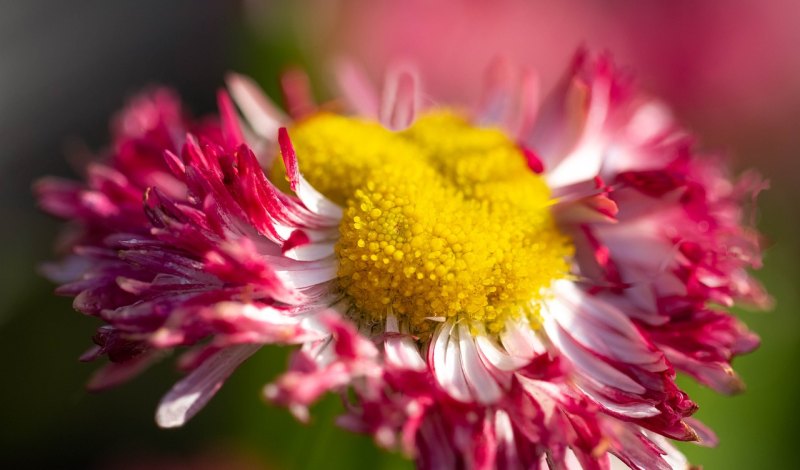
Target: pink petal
[[297, 93], [116, 373], [231, 129], [357, 89], [400, 99]]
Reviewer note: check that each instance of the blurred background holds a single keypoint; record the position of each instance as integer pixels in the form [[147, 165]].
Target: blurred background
[[730, 69]]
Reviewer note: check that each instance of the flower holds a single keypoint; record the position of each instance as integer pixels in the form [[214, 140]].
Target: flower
[[509, 286]]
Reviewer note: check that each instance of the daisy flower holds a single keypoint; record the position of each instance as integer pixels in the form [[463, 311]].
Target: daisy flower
[[508, 285]]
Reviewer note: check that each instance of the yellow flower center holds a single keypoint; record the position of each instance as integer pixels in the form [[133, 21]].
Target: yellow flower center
[[442, 220]]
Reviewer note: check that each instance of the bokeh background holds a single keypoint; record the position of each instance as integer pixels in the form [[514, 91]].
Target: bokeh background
[[731, 70]]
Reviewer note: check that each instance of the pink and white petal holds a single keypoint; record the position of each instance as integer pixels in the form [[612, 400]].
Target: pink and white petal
[[263, 324], [718, 375], [520, 340], [325, 365], [586, 159], [311, 251], [602, 328], [594, 209], [310, 197], [264, 117], [589, 365], [507, 454], [192, 393], [629, 410], [495, 356], [638, 449]]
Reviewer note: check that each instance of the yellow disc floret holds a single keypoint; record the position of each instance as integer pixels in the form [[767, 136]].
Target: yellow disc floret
[[442, 220]]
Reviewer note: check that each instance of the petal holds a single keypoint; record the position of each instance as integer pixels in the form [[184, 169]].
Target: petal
[[401, 99], [493, 354], [231, 129], [116, 373], [297, 93], [357, 90], [400, 349], [447, 364], [310, 197], [589, 365], [262, 115], [191, 394], [484, 388], [520, 341]]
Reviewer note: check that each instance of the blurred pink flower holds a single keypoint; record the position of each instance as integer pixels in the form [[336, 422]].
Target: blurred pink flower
[[509, 283], [730, 65]]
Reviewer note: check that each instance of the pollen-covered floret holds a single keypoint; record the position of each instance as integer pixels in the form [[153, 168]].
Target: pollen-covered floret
[[442, 220]]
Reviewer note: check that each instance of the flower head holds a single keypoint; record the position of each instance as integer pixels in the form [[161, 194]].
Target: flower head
[[513, 285]]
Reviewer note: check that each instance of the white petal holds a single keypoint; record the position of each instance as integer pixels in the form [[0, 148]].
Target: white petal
[[315, 201], [484, 387], [447, 364], [311, 251], [438, 347], [497, 357], [452, 377], [401, 351], [298, 279]]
